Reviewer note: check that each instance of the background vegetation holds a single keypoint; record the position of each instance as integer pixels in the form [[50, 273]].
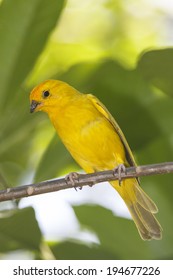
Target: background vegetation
[[121, 51]]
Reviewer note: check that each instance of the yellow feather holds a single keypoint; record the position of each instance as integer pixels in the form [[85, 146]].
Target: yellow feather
[[97, 143]]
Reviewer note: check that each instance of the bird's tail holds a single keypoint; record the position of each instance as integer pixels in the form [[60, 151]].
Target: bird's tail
[[141, 207]]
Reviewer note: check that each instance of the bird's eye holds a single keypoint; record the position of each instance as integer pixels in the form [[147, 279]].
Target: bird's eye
[[45, 94]]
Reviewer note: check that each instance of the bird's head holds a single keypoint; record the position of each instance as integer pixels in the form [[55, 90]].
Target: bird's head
[[50, 94]]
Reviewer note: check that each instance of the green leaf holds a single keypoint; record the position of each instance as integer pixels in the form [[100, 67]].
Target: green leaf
[[117, 236], [25, 27], [19, 230], [73, 250], [161, 110], [156, 67], [17, 130]]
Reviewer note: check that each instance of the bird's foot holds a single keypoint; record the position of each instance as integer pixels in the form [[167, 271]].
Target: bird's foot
[[120, 169], [73, 178]]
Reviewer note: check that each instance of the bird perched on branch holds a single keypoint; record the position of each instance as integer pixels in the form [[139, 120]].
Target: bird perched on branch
[[96, 142]]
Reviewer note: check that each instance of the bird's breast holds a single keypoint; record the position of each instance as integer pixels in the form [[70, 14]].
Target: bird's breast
[[89, 137]]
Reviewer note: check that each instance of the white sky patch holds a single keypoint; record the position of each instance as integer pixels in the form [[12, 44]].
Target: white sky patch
[[56, 217]]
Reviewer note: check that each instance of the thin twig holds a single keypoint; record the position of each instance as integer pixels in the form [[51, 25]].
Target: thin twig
[[83, 180]]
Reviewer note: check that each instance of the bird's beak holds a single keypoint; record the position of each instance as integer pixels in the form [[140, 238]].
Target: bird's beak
[[34, 105]]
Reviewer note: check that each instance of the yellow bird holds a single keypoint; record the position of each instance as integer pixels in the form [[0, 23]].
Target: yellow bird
[[96, 142]]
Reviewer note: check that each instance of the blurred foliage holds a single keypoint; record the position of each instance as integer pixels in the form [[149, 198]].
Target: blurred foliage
[[94, 50], [154, 67], [15, 231]]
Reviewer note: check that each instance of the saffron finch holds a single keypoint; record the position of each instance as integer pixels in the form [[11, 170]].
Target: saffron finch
[[96, 142]]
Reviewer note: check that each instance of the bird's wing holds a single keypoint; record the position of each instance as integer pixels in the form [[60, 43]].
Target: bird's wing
[[102, 109]]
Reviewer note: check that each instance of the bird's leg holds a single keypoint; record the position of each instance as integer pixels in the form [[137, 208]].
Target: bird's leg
[[120, 169], [73, 177]]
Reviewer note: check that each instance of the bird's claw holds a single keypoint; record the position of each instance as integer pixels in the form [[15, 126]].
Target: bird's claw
[[120, 169], [72, 178]]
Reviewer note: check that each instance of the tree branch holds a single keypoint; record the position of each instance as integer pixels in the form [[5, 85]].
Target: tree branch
[[83, 180]]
